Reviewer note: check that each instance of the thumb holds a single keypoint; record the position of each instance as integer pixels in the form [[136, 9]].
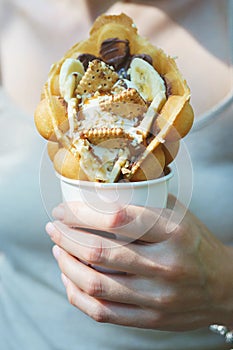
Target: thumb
[[131, 222]]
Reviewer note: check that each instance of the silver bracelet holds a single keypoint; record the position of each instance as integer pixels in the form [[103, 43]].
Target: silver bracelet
[[223, 331]]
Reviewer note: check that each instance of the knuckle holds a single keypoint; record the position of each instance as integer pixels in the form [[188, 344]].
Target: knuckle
[[178, 272], [118, 219], [99, 314], [168, 301], [95, 254], [94, 287], [164, 322], [157, 317], [152, 267], [171, 270]]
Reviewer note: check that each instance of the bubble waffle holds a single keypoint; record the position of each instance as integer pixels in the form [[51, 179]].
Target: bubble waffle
[[115, 105]]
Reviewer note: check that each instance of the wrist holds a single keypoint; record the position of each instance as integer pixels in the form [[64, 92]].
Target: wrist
[[225, 326], [223, 296]]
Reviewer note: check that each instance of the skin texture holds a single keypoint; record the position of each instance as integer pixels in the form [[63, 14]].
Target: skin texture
[[169, 276]]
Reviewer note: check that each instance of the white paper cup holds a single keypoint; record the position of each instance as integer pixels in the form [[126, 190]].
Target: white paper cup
[[108, 198]]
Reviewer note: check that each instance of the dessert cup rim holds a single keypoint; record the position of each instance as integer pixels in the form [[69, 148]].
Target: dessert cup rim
[[108, 185]]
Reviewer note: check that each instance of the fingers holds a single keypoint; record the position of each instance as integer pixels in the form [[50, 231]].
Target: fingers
[[124, 289], [104, 311], [95, 284], [131, 315], [122, 300], [127, 289], [78, 214], [133, 222], [170, 259], [87, 298], [100, 251]]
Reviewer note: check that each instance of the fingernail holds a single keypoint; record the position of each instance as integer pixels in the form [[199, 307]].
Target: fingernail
[[59, 213], [56, 252], [51, 230], [64, 279]]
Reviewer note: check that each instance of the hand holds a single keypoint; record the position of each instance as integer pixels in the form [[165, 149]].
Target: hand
[[170, 281]]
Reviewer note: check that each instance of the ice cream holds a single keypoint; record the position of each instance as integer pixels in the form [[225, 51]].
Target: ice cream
[[114, 107]]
